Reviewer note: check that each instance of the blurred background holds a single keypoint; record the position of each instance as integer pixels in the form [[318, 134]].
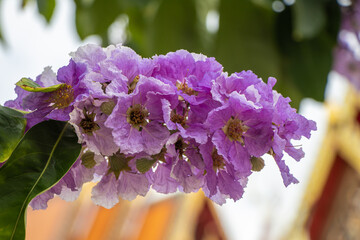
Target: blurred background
[[310, 46]]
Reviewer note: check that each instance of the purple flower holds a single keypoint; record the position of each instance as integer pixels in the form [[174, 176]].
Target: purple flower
[[174, 122], [105, 192], [245, 83], [279, 145], [221, 178], [133, 184], [190, 74], [183, 166], [347, 64], [288, 125], [239, 82], [188, 120], [57, 104], [241, 130], [120, 180], [122, 69], [88, 119], [162, 181], [137, 120], [92, 55]]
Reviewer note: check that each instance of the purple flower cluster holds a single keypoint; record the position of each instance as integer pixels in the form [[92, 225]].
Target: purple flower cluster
[[174, 122], [346, 54]]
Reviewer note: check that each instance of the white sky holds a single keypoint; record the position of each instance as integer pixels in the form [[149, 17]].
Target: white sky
[[267, 206]]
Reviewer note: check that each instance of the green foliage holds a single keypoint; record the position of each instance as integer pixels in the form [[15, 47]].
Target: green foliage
[[31, 86], [1, 35], [40, 160], [174, 27], [295, 45], [246, 39], [46, 8], [310, 18], [12, 127], [307, 62], [95, 17]]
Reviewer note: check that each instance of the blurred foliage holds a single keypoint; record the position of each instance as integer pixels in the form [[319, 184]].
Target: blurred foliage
[[289, 40], [46, 8]]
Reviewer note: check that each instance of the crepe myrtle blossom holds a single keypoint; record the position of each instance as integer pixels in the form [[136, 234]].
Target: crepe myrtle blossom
[[137, 119], [120, 179], [88, 119], [222, 181], [174, 122], [57, 104], [240, 130]]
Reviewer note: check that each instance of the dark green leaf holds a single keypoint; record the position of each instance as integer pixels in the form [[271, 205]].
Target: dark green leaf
[[24, 3], [40, 160], [175, 27], [310, 18], [306, 63], [135, 3], [46, 8], [137, 37], [95, 17], [1, 36], [246, 39], [144, 164], [31, 86], [12, 127], [309, 63]]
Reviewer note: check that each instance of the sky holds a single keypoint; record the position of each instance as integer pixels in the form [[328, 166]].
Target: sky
[[267, 208]]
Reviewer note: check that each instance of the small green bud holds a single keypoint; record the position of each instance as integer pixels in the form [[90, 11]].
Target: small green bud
[[88, 159], [143, 164], [257, 163], [107, 107]]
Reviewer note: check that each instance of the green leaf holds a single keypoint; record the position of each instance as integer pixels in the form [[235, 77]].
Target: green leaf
[[46, 8], [310, 18], [31, 86], [315, 58], [306, 63], [144, 164], [43, 156], [246, 40], [137, 37], [12, 127], [175, 27], [95, 17], [24, 3], [1, 34]]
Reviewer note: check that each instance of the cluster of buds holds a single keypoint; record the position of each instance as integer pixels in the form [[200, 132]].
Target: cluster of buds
[[174, 122]]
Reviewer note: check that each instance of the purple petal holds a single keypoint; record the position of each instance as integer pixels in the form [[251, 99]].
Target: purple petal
[[105, 192], [131, 185]]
